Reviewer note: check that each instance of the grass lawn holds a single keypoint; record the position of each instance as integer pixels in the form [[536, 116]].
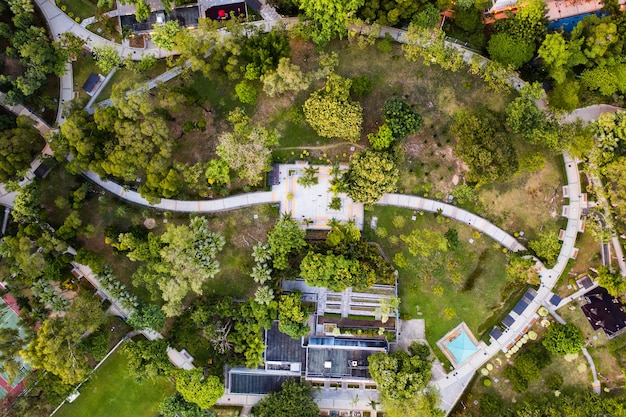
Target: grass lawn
[[576, 376], [529, 202], [470, 281], [607, 365], [81, 8], [123, 74], [111, 391], [83, 67]]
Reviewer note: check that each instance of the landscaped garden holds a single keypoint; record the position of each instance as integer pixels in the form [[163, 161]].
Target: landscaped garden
[[111, 390]]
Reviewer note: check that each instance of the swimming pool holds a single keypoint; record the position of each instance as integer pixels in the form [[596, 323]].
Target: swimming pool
[[461, 348], [569, 23]]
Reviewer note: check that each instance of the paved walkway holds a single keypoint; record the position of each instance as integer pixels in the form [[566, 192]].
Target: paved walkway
[[453, 212], [454, 384]]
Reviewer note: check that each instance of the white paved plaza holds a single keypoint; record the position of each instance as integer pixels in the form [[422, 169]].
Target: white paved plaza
[[310, 204]]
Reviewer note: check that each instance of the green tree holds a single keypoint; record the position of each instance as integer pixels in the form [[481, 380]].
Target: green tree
[[11, 343], [331, 112], [17, 146], [293, 399], [292, 317], [614, 283], [547, 246], [147, 316], [330, 17], [400, 118], [371, 174], [287, 78], [176, 406], [521, 270], [55, 347], [425, 242], [556, 56], [309, 176], [247, 148], [509, 50], [285, 238], [246, 92], [217, 172], [563, 339], [199, 389], [401, 375], [164, 35], [489, 153], [382, 139], [107, 58], [147, 358]]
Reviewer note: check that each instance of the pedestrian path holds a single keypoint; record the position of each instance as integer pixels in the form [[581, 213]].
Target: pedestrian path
[[448, 210], [452, 386]]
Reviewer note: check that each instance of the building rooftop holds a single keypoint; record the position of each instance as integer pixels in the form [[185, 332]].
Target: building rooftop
[[247, 382], [338, 363], [282, 348], [604, 312], [187, 16]]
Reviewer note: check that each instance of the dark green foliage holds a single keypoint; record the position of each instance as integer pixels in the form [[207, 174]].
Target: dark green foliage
[[390, 12], [96, 344], [400, 118], [469, 20], [17, 146], [561, 339], [285, 238], [490, 404], [554, 381], [336, 272], [260, 54], [487, 150], [527, 366], [176, 406], [335, 203], [452, 236], [361, 86], [95, 261], [147, 316], [401, 375], [294, 399], [147, 358], [427, 17]]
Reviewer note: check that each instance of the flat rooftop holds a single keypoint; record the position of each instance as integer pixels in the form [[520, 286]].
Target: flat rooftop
[[338, 363], [255, 382], [282, 348]]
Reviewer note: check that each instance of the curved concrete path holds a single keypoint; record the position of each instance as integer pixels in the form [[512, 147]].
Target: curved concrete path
[[453, 212], [452, 386]]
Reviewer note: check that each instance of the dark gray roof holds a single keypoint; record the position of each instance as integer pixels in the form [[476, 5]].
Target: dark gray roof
[[343, 363], [91, 82], [520, 306], [282, 348], [530, 295], [496, 333], [508, 321], [255, 383], [555, 300]]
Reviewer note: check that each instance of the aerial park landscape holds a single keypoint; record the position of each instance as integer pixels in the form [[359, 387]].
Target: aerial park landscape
[[313, 208]]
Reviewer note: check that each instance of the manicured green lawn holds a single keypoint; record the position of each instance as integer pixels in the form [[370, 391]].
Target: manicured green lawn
[[425, 293], [111, 391], [80, 8]]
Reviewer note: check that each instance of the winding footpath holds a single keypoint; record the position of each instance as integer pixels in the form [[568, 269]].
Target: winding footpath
[[450, 386]]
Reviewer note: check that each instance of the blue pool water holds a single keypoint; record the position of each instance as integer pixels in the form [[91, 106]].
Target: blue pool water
[[461, 347], [569, 23]]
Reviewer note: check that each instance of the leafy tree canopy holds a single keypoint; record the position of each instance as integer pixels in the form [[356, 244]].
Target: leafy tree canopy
[[371, 174], [293, 399], [199, 389], [562, 339]]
